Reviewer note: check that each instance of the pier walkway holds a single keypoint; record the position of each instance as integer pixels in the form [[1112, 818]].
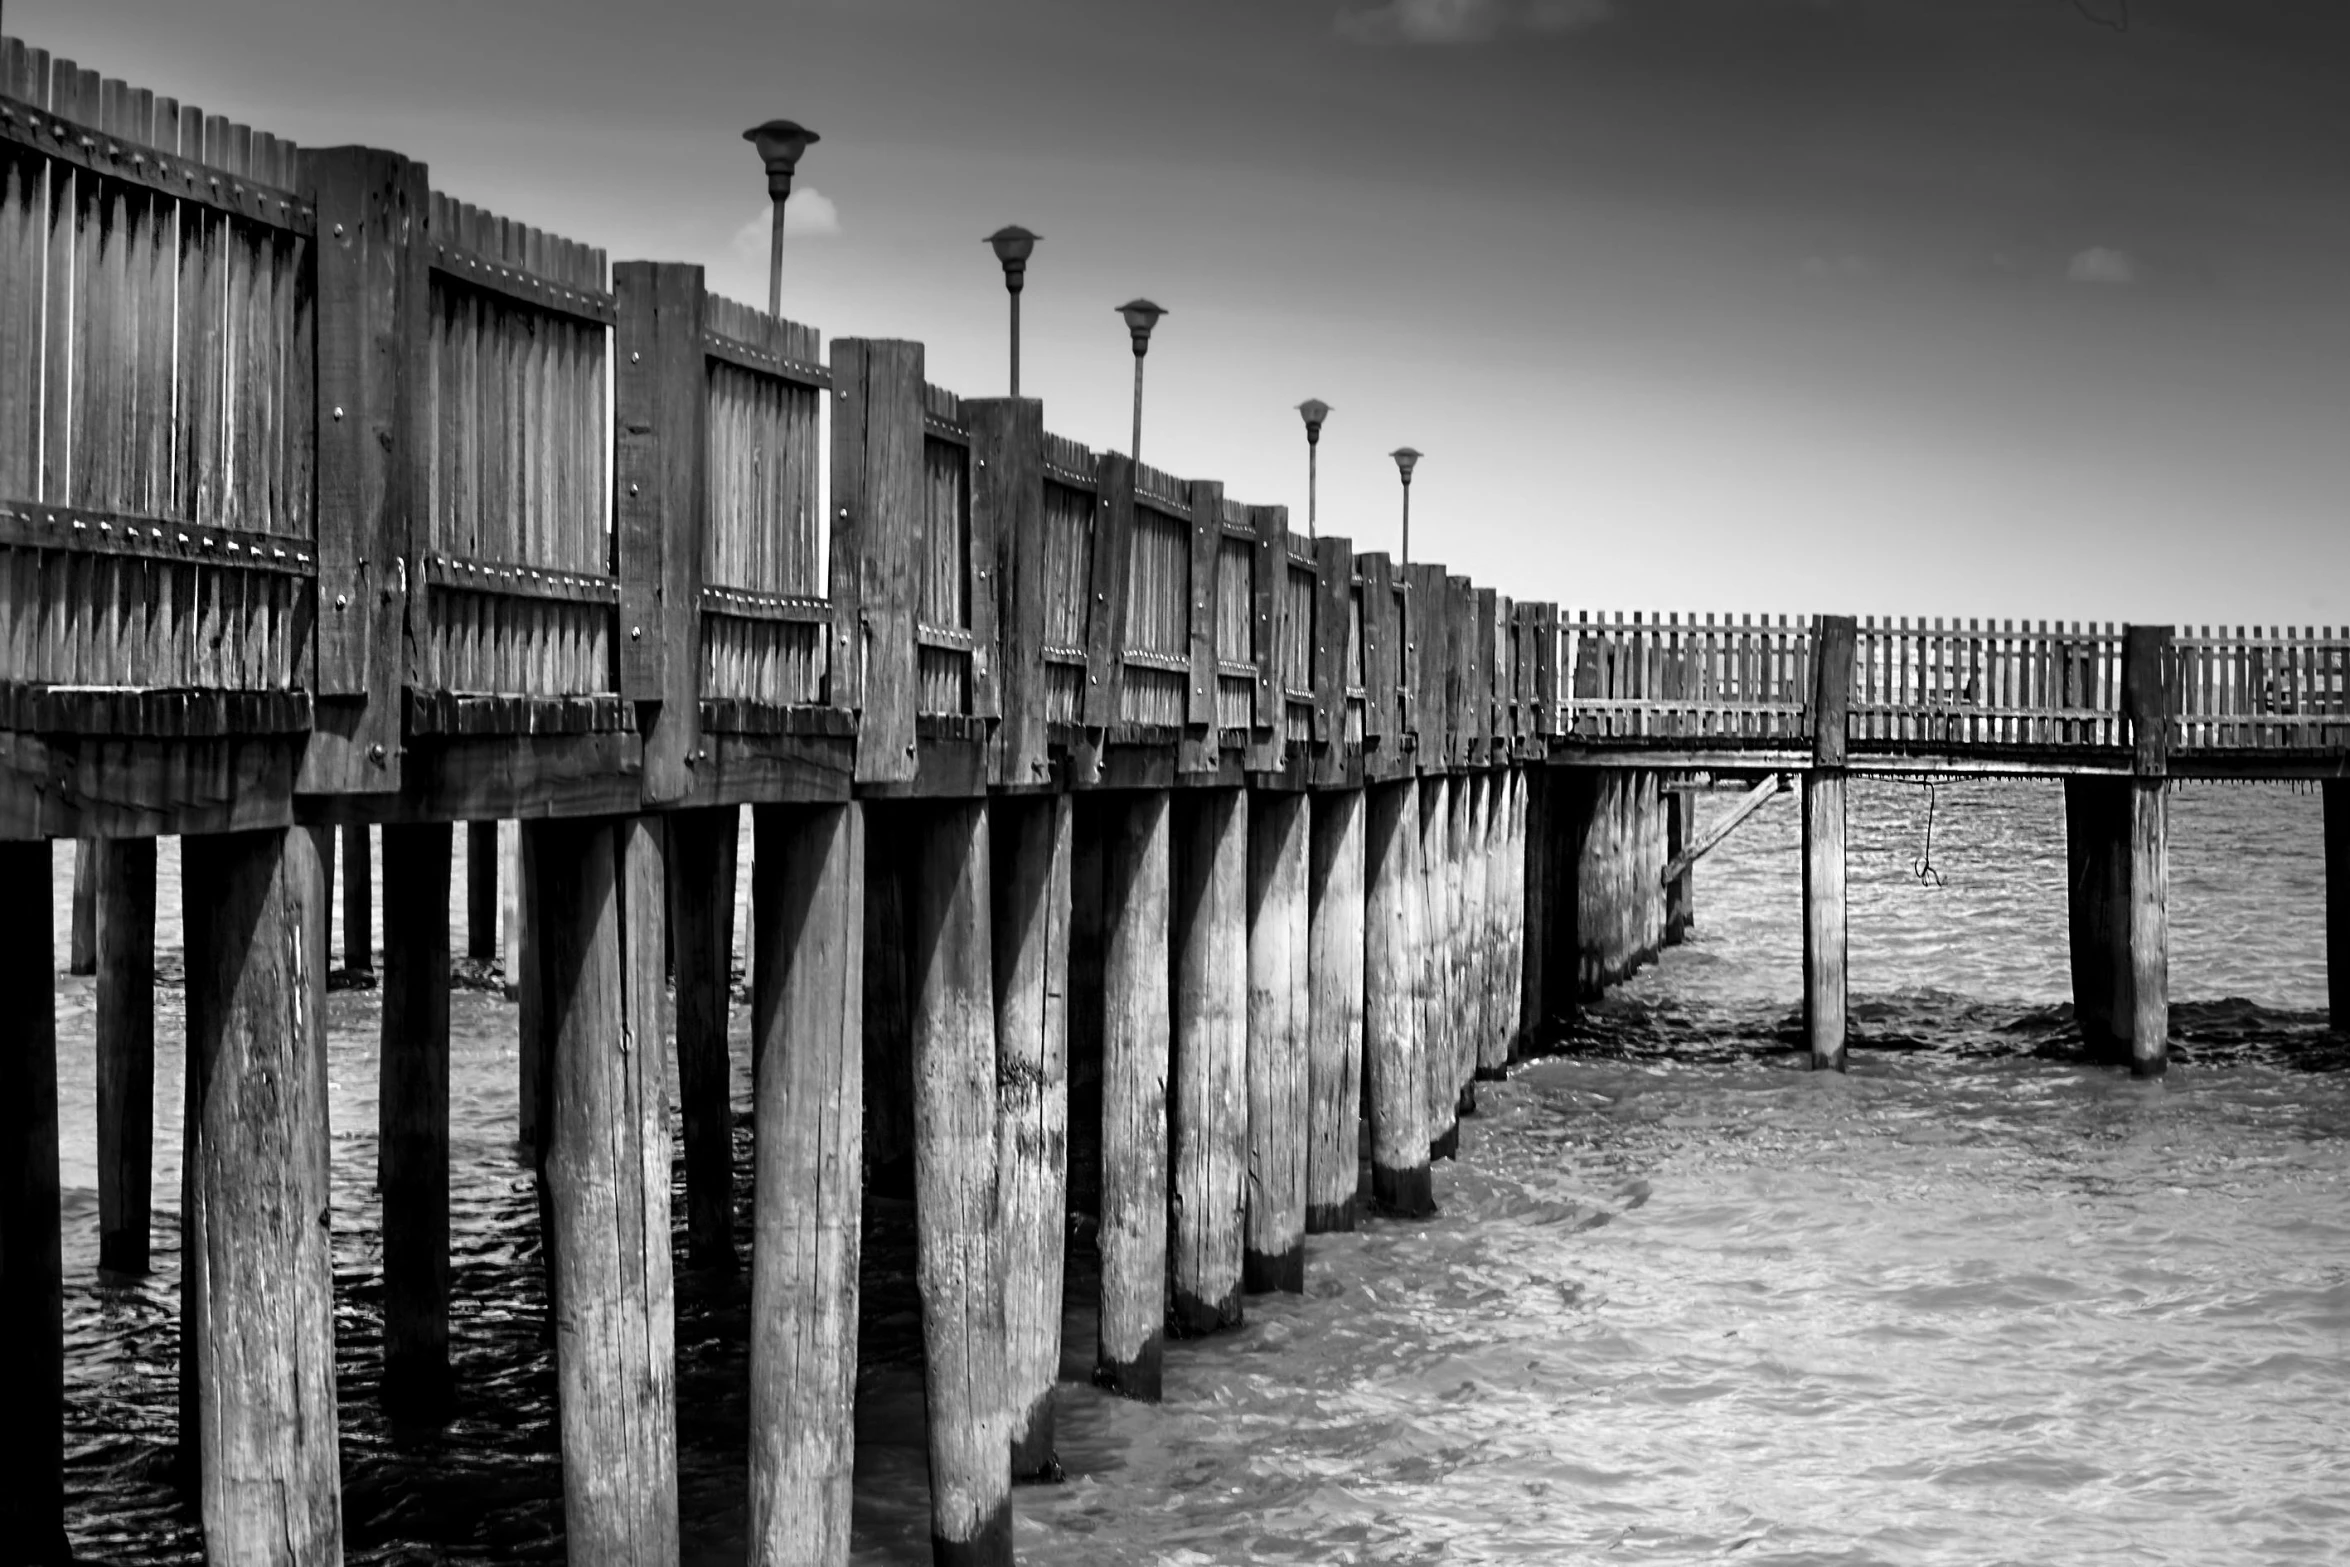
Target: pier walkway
[[330, 501]]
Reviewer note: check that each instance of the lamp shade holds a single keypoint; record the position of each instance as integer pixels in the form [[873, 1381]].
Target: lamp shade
[[1313, 410], [1405, 460], [1141, 315], [780, 143], [1013, 245]]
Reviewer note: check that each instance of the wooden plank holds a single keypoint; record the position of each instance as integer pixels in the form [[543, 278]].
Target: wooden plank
[[1381, 639], [1105, 626], [1007, 501], [2146, 698], [877, 437], [79, 137], [1208, 1086], [661, 409], [1207, 543], [372, 296], [1835, 641], [1333, 590], [1269, 594]]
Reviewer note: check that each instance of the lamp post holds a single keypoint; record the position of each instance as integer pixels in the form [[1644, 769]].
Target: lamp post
[[780, 143], [1141, 315], [1013, 244], [1405, 460], [1313, 410]]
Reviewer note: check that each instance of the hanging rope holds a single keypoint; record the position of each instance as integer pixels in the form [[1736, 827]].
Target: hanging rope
[[1922, 867]]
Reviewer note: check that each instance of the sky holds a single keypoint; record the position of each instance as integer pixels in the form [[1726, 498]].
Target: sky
[[1940, 307]]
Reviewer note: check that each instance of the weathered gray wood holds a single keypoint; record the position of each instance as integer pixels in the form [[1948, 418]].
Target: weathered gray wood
[[32, 1284], [1395, 976], [878, 477], [1825, 999], [599, 906], [2337, 833], [807, 1005], [482, 909], [1007, 449], [1485, 911], [1280, 1102], [958, 1268], [2149, 927], [1535, 965], [1695, 846], [1335, 1038], [413, 1118], [1680, 889], [126, 1052], [702, 850], [253, 1231], [1440, 1030], [82, 948], [1030, 879], [358, 899], [1136, 1031], [1208, 1092], [2097, 901]]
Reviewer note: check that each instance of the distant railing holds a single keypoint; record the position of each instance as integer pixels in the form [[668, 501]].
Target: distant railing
[[2262, 688], [1666, 677], [1986, 684]]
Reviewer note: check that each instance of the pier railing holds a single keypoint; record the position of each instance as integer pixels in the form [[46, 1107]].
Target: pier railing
[[296, 450]]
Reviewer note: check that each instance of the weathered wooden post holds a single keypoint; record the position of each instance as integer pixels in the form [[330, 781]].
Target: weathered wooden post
[[1208, 1090], [2146, 694], [1336, 1039], [1825, 999], [413, 1118], [82, 949], [1680, 891], [126, 1052], [1395, 976], [2097, 903], [481, 891], [358, 899], [600, 889], [1281, 1111], [958, 1270], [1136, 1030], [807, 1006], [702, 850], [2337, 831], [255, 1247], [1488, 831], [530, 1011], [1440, 1030], [32, 1282], [1030, 881]]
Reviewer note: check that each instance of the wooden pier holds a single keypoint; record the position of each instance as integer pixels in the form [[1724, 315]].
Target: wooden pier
[[1078, 789]]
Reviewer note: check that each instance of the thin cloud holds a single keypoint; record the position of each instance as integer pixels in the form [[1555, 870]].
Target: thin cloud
[[2102, 264], [1466, 21], [809, 214]]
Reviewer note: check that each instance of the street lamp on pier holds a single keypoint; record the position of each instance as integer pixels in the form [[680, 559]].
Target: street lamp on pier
[[1313, 410], [1405, 460], [1013, 245], [1141, 315], [780, 143]]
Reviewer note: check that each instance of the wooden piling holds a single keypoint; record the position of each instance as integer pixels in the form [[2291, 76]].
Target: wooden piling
[[1824, 992], [530, 1012], [1826, 998], [82, 948], [2337, 850], [481, 892], [413, 1118], [126, 1052], [1488, 835], [702, 851], [2097, 904], [955, 1113], [807, 1006], [358, 900], [1207, 1107], [1335, 1037], [599, 906], [1030, 879], [1281, 1108], [253, 1230], [1395, 1077], [32, 1285], [1680, 890], [2149, 927], [1135, 1046], [1439, 1022], [1537, 972]]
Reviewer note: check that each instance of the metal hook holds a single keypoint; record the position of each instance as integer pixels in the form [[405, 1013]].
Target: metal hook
[[1922, 867]]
